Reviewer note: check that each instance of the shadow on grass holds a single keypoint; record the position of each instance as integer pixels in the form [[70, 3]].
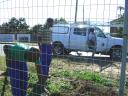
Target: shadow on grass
[[102, 62]]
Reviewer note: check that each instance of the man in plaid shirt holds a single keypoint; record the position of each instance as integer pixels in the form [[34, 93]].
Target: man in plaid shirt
[[45, 46]]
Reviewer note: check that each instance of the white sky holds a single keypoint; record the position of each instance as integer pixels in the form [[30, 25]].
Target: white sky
[[36, 11]]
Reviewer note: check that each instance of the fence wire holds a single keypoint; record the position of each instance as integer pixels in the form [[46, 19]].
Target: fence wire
[[63, 48]]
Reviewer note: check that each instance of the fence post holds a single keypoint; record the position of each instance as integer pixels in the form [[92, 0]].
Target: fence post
[[76, 11], [124, 51]]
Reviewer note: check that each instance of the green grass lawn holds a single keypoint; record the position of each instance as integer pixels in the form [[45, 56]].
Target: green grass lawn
[[2, 64], [62, 72]]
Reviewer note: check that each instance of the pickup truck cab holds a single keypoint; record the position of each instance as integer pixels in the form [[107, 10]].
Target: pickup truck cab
[[74, 37]]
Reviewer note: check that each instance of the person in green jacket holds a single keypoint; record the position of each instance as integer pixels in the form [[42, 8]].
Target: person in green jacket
[[16, 57]]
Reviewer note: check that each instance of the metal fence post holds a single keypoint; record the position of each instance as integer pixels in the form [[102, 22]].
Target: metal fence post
[[124, 52], [76, 11]]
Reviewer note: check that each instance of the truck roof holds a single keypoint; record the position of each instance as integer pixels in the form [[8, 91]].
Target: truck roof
[[73, 25], [66, 25]]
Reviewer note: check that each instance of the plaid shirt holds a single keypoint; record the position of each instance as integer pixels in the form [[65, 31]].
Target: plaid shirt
[[45, 36]]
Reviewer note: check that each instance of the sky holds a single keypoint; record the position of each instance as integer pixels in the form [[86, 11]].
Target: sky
[[37, 11]]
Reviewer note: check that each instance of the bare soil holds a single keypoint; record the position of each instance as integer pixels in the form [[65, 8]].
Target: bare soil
[[110, 69], [88, 88]]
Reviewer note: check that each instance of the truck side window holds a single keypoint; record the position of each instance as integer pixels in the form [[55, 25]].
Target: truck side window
[[80, 31], [60, 29], [99, 33]]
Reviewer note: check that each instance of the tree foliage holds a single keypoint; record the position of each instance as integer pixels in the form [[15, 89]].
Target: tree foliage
[[36, 28], [14, 26], [39, 27], [20, 26], [60, 21]]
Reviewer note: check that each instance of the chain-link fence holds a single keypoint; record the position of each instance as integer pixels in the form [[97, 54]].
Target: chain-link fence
[[63, 48]]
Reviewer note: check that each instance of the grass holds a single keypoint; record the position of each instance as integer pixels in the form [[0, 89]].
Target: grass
[[62, 72], [63, 85], [83, 75], [59, 86], [2, 63]]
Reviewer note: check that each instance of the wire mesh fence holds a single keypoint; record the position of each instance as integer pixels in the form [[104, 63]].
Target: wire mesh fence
[[62, 48]]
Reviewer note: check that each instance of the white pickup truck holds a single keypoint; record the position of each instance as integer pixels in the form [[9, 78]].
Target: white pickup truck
[[74, 37]]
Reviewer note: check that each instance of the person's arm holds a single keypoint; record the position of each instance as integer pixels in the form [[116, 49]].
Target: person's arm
[[32, 55]]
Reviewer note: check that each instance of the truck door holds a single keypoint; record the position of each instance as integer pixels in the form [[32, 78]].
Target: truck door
[[102, 40], [78, 38]]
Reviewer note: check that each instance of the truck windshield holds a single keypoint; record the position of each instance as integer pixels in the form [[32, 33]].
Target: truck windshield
[[99, 33], [80, 31]]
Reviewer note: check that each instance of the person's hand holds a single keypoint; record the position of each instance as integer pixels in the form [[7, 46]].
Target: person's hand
[[32, 55]]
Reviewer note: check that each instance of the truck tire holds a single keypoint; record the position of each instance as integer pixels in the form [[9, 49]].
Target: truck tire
[[58, 48], [116, 52]]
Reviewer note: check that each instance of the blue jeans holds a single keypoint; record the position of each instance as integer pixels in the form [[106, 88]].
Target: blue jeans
[[45, 58], [18, 73]]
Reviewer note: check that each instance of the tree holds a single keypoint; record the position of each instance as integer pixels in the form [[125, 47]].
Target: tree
[[60, 21], [37, 28], [22, 25], [120, 9], [4, 28], [15, 26], [34, 31]]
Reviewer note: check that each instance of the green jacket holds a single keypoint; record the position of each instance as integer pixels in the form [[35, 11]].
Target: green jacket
[[17, 52]]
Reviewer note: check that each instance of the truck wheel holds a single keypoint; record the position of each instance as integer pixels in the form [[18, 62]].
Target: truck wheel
[[58, 49], [116, 52]]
